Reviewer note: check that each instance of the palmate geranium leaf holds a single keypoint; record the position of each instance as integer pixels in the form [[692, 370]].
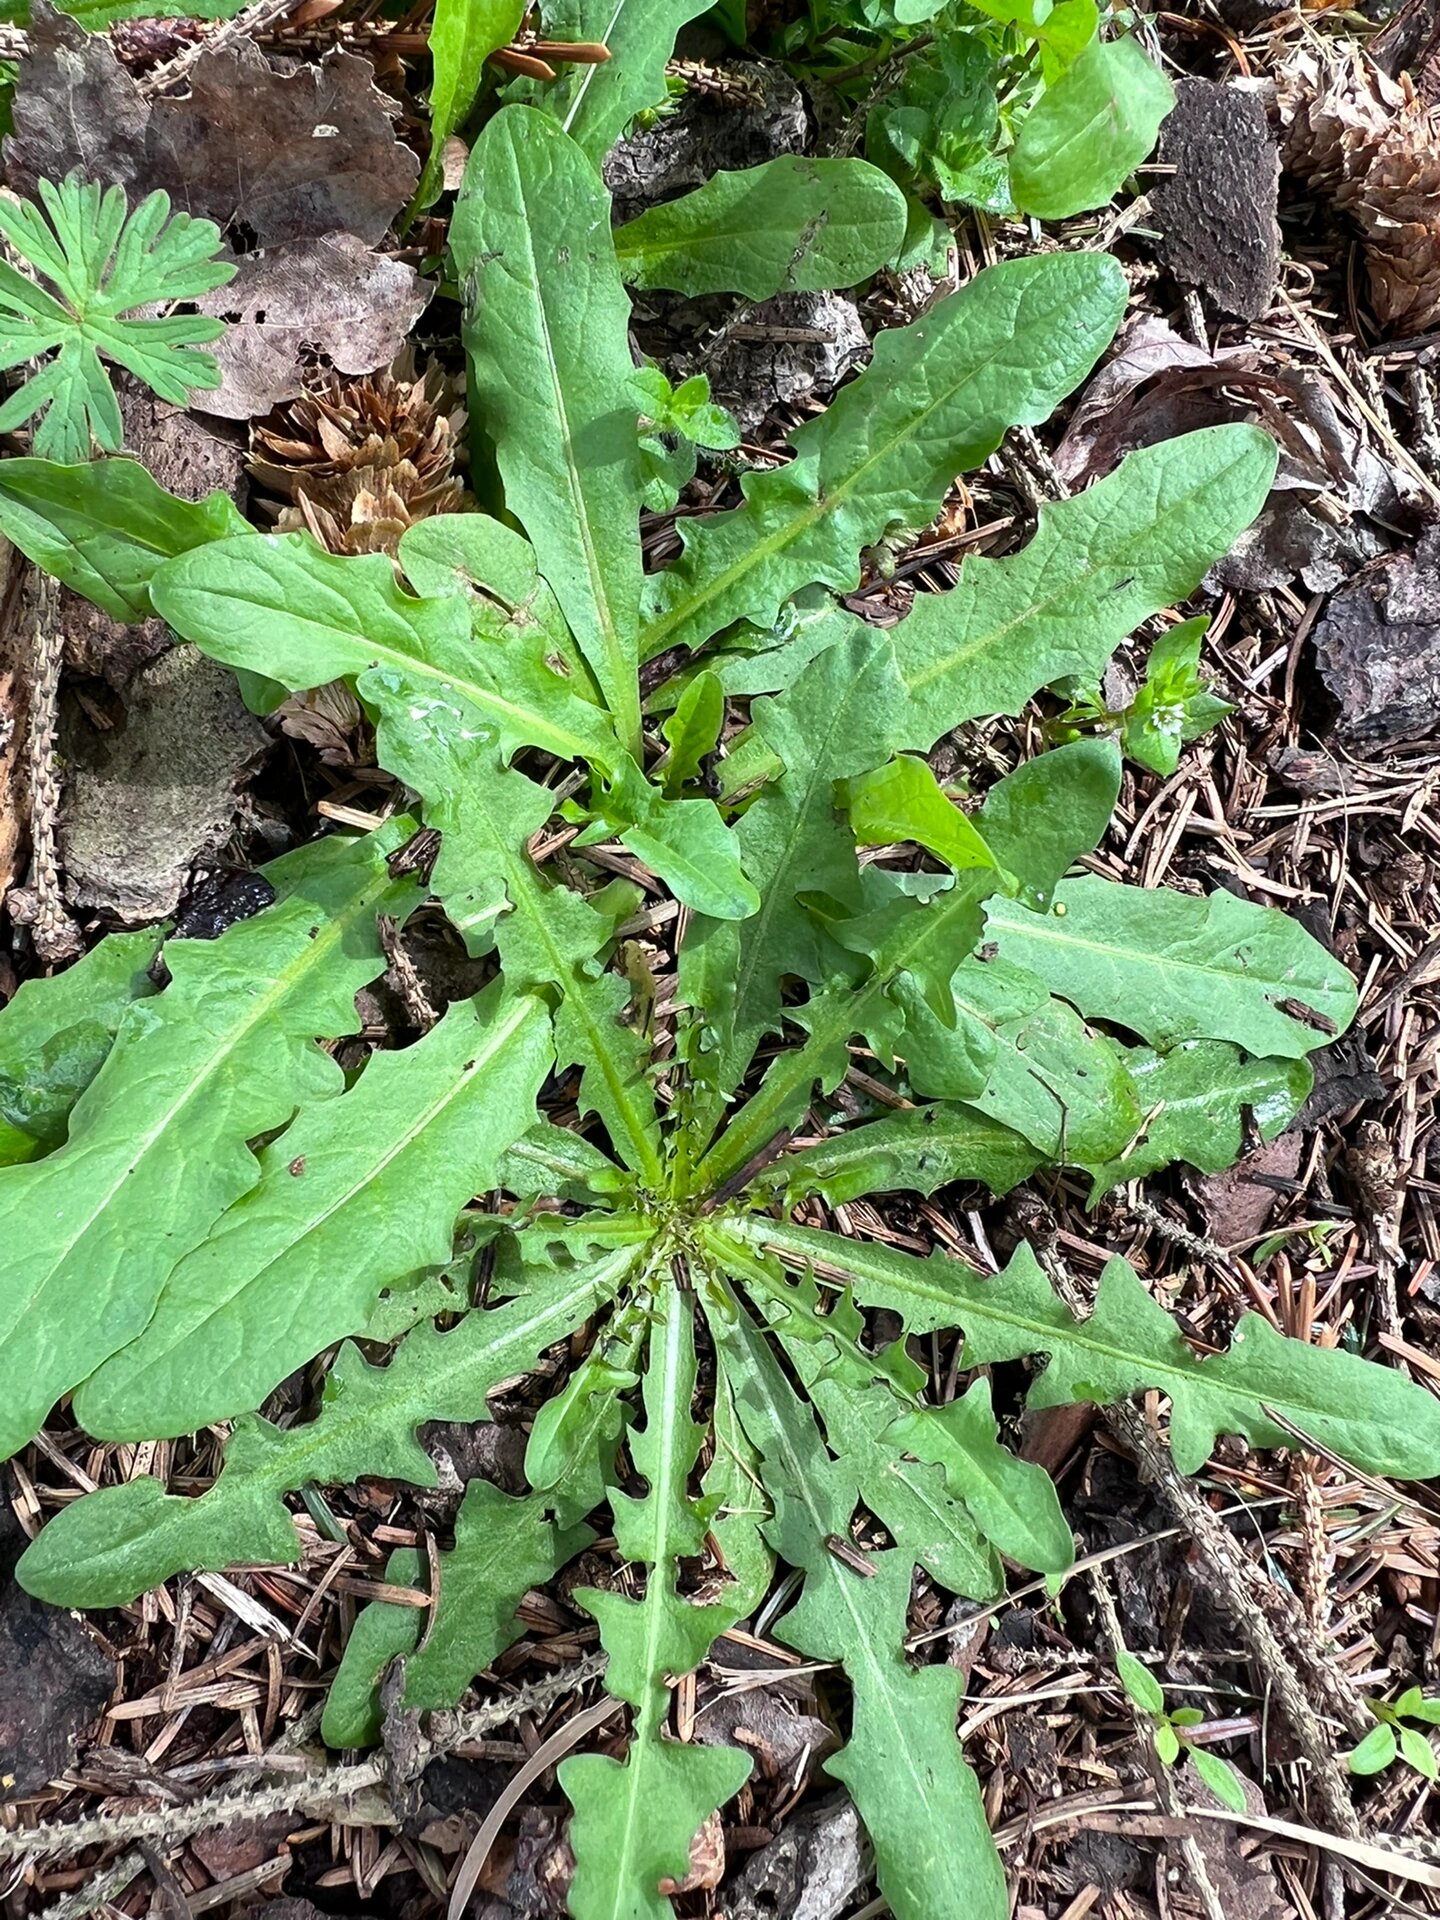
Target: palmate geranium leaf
[[156, 1145], [300, 1260], [793, 224], [103, 265]]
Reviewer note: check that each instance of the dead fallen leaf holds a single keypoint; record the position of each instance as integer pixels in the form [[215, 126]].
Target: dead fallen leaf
[[292, 306], [288, 156], [1238, 1204], [74, 106]]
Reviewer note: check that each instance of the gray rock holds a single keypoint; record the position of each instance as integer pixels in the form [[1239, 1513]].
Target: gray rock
[[811, 1870]]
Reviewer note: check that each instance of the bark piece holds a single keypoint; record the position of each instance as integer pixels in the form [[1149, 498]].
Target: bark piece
[[156, 793], [706, 133], [54, 1680], [1378, 645], [1216, 212]]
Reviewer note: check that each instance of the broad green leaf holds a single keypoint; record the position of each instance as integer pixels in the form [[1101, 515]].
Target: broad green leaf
[[482, 559], [1417, 1750], [557, 1164], [546, 334], [904, 801], [920, 945], [790, 841], [55, 1034], [1172, 967], [550, 939], [112, 1545], [104, 527], [1014, 1503], [1141, 1686], [915, 1151], [96, 15], [910, 1497], [1369, 1414], [935, 401], [156, 1148], [1089, 130], [570, 1456], [686, 841], [280, 605], [1375, 1752], [504, 1546], [692, 731], [1096, 567], [1041, 818], [792, 225], [353, 1196], [634, 1820], [595, 104], [1044, 1073], [1223, 1781], [903, 1765], [1195, 1098], [463, 35], [734, 1488]]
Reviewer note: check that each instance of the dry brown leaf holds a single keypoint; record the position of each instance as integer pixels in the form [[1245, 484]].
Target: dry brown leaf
[[291, 156], [333, 298]]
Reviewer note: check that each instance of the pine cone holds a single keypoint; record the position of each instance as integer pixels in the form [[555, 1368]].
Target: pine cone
[[1336, 112], [359, 461], [1399, 215], [1372, 147]]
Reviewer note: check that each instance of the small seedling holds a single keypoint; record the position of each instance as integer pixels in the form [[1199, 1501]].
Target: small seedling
[[1173, 1732], [1392, 1739], [1172, 706]]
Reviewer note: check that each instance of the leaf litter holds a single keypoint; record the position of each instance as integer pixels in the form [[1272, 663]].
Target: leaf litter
[[223, 1657]]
